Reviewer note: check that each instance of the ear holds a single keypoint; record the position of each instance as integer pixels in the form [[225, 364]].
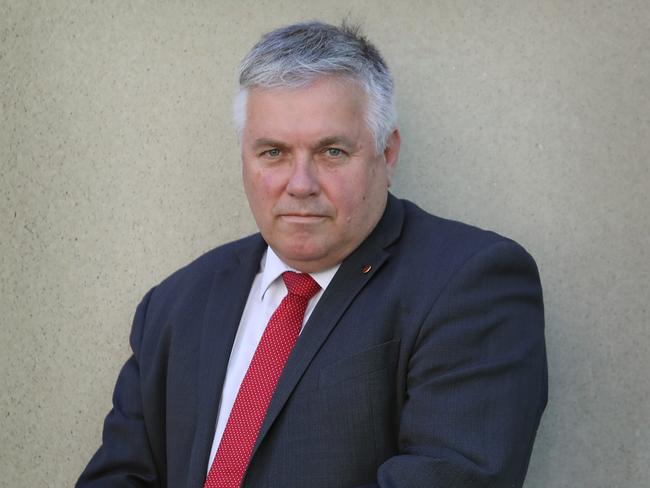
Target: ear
[[391, 153]]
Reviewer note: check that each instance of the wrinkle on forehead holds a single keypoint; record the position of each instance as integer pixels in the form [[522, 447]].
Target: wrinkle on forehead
[[291, 116]]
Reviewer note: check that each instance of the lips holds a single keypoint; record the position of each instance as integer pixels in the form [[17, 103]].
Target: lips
[[302, 218]]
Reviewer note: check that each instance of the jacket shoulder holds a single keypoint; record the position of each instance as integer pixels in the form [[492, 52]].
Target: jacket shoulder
[[417, 220], [449, 243], [199, 273]]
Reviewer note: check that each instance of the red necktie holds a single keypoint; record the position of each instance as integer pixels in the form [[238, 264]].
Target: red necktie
[[258, 385]]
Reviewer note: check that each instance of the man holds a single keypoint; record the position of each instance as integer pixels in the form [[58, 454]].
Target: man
[[357, 340]]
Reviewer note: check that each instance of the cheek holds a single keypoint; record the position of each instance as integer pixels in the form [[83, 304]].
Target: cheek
[[264, 191], [349, 198], [254, 191], [257, 183], [364, 196]]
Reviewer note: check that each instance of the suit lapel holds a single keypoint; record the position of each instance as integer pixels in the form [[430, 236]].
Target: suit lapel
[[349, 280], [223, 311]]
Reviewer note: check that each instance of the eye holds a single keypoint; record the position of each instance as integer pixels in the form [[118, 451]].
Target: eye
[[334, 152], [272, 153]]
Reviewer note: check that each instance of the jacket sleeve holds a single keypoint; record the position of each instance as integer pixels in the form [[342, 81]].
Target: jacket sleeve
[[124, 458], [477, 379]]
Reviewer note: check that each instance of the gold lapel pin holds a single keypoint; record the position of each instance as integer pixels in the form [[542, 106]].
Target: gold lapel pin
[[366, 269]]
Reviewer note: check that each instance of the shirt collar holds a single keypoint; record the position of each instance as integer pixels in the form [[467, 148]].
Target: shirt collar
[[273, 267]]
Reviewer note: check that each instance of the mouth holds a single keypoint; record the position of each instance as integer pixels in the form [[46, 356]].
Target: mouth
[[302, 218]]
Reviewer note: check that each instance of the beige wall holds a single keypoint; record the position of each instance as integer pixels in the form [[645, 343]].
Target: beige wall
[[119, 164]]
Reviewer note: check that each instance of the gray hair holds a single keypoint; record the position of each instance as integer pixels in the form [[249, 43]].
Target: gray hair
[[296, 55]]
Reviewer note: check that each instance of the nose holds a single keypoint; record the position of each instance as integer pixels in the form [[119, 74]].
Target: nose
[[303, 180]]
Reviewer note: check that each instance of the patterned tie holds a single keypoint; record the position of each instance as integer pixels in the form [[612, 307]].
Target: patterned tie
[[258, 385]]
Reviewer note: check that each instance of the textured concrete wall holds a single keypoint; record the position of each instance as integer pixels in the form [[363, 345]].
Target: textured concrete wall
[[119, 164]]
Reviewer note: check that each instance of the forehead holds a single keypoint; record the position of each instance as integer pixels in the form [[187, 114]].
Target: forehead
[[327, 105]]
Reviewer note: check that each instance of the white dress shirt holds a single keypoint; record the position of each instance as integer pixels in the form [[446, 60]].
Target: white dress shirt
[[266, 293]]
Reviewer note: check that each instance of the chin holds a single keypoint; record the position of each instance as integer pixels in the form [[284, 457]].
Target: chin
[[301, 253], [304, 255]]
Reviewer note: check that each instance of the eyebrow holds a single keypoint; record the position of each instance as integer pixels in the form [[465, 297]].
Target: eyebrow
[[266, 142], [338, 140]]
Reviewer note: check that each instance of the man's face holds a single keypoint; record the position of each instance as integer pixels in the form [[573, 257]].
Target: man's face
[[312, 175]]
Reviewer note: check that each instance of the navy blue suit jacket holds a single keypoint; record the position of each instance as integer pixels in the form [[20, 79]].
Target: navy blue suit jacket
[[427, 371]]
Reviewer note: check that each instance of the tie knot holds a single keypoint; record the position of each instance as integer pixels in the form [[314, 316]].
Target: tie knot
[[300, 284]]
